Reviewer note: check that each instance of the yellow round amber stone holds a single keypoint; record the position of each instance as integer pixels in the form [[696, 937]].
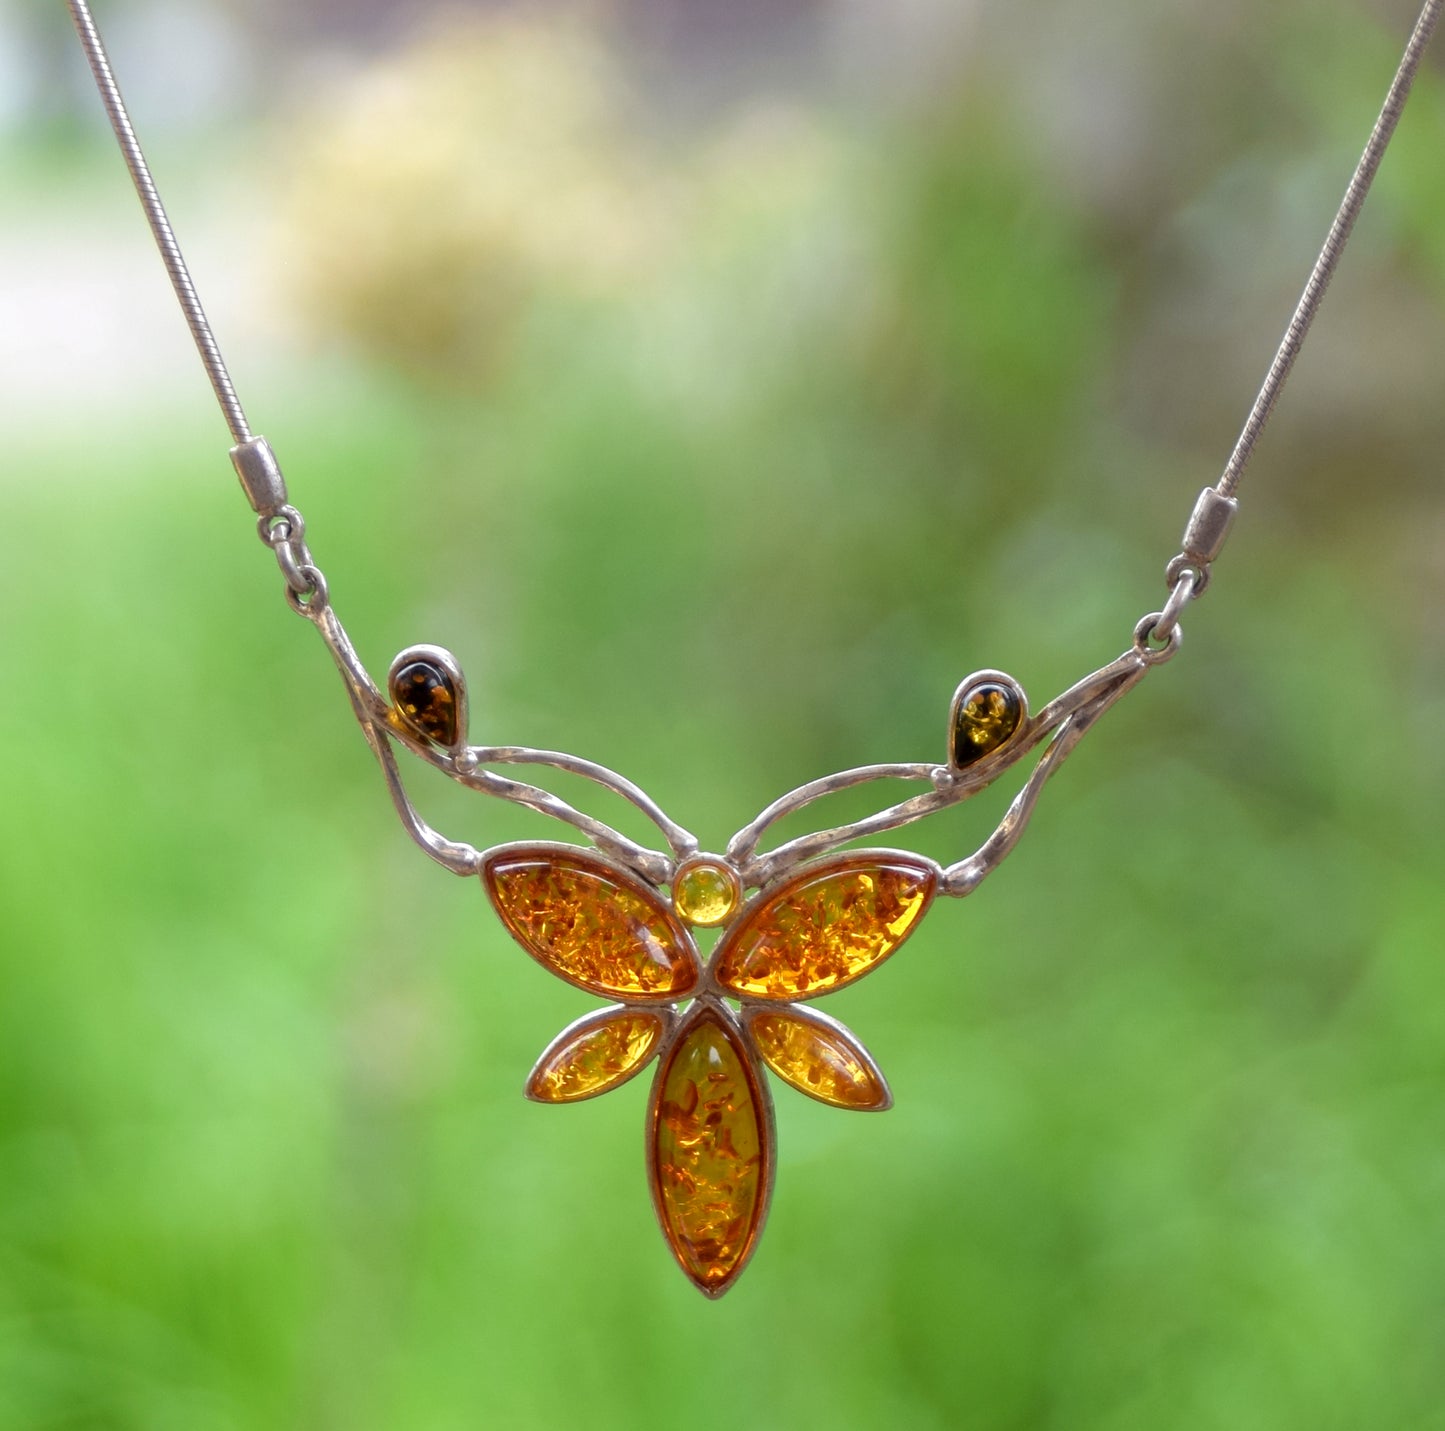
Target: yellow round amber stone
[[705, 892]]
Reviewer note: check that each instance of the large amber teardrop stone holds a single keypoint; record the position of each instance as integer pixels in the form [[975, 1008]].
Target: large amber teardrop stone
[[825, 926], [424, 700], [589, 922], [985, 717], [710, 1152], [819, 1058], [594, 1054]]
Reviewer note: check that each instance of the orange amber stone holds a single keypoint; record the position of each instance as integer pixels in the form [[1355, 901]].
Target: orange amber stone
[[711, 1153], [593, 1055], [825, 927], [819, 1059], [589, 922]]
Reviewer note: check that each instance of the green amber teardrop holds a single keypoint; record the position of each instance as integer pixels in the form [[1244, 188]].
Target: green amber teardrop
[[424, 699], [985, 717]]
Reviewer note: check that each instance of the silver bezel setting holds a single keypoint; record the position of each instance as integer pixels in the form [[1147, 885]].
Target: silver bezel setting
[[966, 688], [448, 664]]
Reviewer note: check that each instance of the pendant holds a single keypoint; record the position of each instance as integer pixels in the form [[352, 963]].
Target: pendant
[[710, 1131], [795, 923]]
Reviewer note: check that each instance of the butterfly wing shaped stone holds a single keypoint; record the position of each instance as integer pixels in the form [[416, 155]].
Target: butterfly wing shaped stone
[[817, 1056], [597, 1053], [825, 925], [591, 922]]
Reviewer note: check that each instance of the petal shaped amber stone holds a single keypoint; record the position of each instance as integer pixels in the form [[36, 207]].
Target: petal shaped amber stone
[[819, 1059], [593, 1055], [825, 927], [589, 922], [710, 1152]]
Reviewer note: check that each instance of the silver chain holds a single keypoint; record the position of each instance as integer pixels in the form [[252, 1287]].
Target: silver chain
[[1335, 241], [165, 237], [1187, 575], [1156, 637], [281, 526]]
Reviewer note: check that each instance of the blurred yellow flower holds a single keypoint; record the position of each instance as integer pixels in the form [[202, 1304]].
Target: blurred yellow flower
[[443, 187]]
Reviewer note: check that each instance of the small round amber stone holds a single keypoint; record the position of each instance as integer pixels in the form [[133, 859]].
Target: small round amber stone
[[426, 701], [705, 893], [987, 717]]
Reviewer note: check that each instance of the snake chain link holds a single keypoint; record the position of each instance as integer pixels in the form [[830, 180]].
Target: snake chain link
[[1187, 575], [155, 211], [1328, 261]]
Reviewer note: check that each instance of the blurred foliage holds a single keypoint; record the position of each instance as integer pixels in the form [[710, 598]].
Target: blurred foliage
[[719, 453]]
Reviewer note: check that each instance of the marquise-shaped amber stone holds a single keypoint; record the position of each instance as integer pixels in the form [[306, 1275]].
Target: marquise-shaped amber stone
[[825, 927], [711, 1152], [819, 1059], [595, 926], [593, 1055]]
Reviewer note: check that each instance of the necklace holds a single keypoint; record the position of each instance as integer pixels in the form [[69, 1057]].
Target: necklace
[[625, 921]]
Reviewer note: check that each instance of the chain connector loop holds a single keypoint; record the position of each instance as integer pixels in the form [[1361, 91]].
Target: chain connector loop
[[1183, 593], [295, 562], [1182, 563], [1144, 633], [313, 598], [285, 524]]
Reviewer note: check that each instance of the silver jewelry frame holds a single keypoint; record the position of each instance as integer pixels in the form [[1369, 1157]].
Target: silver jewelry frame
[[1059, 727], [1056, 731]]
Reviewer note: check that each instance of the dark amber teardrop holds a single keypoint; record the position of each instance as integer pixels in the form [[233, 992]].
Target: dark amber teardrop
[[425, 701], [984, 717]]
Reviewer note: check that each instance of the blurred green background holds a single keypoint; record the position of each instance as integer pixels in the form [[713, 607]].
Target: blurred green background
[[723, 382]]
